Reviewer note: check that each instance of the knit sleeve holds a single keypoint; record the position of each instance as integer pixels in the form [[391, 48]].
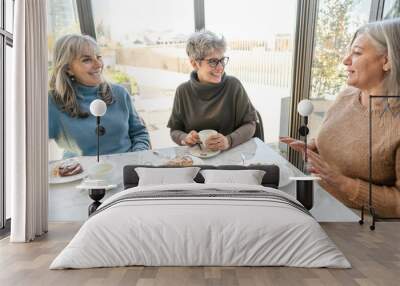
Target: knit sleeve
[[177, 136], [242, 134], [137, 130], [175, 121], [385, 199]]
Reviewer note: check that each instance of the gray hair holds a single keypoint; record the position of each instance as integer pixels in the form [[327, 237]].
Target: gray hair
[[201, 44], [61, 87], [385, 35]]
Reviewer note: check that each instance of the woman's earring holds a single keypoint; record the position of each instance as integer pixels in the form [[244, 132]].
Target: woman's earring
[[72, 77], [386, 67]]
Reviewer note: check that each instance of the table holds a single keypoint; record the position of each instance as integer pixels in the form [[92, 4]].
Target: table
[[67, 203]]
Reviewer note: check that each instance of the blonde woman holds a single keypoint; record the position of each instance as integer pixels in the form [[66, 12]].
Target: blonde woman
[[75, 82], [340, 152]]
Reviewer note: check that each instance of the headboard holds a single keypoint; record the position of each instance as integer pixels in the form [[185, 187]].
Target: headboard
[[270, 179]]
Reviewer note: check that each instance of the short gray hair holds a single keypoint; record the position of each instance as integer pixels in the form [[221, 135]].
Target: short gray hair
[[385, 35], [201, 44]]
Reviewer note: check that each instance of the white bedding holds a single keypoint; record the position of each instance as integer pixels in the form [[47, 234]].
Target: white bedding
[[200, 231]]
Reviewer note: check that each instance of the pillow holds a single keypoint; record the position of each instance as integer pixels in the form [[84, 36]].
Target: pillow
[[165, 176], [248, 177]]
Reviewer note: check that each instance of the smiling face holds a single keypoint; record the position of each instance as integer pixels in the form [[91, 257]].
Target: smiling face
[[207, 73], [87, 67], [365, 65]]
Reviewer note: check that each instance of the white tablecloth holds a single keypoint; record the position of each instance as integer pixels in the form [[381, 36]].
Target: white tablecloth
[[67, 203]]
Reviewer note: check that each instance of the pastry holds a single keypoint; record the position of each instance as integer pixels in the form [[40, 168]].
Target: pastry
[[69, 168], [184, 161]]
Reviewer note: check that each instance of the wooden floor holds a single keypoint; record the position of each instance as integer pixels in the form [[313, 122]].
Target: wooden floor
[[374, 255]]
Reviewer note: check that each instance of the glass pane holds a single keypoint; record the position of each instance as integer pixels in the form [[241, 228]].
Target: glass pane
[[146, 54], [9, 71], [391, 9], [62, 18], [260, 41], [336, 23], [9, 15]]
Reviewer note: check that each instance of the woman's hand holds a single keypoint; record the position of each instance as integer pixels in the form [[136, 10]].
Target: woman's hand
[[191, 138], [328, 174], [217, 142], [298, 145]]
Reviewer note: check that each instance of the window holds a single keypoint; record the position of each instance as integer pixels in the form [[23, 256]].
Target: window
[[143, 47], [6, 40], [260, 46], [391, 9], [336, 23]]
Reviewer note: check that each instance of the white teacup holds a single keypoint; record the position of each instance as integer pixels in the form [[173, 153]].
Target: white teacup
[[204, 134]]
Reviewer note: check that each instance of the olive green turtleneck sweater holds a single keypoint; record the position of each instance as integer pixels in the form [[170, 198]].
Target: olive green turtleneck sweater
[[343, 142], [224, 107]]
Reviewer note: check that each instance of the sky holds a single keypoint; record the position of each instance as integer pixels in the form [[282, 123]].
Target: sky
[[250, 19]]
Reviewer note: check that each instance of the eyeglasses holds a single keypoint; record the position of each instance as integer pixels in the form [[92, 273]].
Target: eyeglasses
[[214, 62]]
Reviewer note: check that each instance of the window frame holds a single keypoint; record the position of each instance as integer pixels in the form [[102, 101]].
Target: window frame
[[377, 8]]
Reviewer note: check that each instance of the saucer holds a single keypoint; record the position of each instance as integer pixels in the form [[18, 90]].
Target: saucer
[[95, 184], [197, 152]]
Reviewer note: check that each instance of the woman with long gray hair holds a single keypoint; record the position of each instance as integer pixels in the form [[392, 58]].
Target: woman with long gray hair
[[339, 156], [211, 99], [76, 81]]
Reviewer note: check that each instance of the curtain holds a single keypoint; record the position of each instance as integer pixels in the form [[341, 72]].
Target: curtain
[[26, 117], [303, 52]]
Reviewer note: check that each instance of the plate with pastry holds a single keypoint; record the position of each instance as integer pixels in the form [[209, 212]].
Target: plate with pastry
[[66, 171], [184, 161]]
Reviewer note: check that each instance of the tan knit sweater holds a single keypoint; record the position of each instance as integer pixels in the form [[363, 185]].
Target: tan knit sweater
[[343, 142]]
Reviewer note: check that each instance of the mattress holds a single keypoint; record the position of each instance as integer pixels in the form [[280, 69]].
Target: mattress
[[201, 225]]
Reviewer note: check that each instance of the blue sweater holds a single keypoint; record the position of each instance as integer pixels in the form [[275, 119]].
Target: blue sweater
[[77, 136]]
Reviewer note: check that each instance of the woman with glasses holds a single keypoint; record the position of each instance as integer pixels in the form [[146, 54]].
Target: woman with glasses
[[211, 99]]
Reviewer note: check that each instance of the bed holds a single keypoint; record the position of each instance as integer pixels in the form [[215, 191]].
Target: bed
[[201, 224]]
